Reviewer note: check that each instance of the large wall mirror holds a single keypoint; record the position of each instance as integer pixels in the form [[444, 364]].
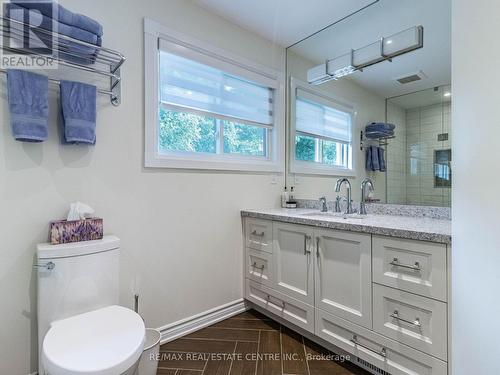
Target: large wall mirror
[[370, 96]]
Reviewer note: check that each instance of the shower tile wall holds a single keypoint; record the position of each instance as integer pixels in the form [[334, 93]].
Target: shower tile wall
[[396, 156], [422, 128], [410, 156]]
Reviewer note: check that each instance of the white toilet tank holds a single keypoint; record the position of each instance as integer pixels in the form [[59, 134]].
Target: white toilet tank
[[75, 278]]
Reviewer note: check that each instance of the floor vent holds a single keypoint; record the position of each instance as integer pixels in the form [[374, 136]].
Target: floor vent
[[373, 369]]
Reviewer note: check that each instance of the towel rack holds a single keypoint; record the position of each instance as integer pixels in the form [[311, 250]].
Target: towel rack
[[382, 141], [105, 62]]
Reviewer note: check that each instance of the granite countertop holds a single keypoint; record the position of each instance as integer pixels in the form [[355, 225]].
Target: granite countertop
[[415, 228]]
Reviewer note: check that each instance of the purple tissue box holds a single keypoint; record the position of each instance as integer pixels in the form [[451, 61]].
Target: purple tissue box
[[64, 231]]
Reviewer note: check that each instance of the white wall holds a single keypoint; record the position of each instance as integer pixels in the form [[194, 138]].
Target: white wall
[[180, 231], [369, 107], [475, 203]]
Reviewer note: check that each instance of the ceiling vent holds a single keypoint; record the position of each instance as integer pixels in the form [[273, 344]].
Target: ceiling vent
[[412, 77]]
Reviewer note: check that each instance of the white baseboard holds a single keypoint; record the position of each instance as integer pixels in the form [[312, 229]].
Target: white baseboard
[[185, 326]]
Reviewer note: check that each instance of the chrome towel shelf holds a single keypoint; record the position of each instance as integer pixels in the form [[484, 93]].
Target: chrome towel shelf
[[382, 141], [66, 51]]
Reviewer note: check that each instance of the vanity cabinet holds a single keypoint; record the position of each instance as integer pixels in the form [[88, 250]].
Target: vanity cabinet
[[382, 299]]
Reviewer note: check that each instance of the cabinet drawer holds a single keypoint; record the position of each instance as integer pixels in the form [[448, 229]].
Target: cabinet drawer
[[414, 266], [296, 312], [259, 267], [259, 234], [411, 319], [388, 355]]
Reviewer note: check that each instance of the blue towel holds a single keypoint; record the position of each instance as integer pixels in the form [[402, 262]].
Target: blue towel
[[379, 130], [369, 164], [79, 107], [28, 105], [63, 15], [381, 159], [375, 160], [71, 51], [380, 126]]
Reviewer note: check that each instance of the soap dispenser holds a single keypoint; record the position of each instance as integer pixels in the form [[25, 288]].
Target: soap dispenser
[[291, 202], [284, 197]]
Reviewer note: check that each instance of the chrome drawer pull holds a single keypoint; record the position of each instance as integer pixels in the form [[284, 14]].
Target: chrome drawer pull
[[254, 265], [306, 249], [261, 234], [415, 267], [416, 322], [382, 353], [49, 266], [283, 304]]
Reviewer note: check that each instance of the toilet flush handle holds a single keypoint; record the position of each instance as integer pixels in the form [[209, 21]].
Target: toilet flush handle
[[49, 266]]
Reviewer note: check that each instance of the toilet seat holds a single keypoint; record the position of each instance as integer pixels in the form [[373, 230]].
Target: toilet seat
[[107, 341]]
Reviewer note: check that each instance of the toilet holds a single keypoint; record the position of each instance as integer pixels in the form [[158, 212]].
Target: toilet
[[81, 328]]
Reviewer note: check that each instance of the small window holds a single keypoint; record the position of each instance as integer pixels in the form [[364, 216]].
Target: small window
[[213, 111], [322, 133], [205, 110]]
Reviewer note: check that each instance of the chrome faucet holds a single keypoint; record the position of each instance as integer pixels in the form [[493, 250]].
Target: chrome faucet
[[324, 207], [338, 186], [362, 205]]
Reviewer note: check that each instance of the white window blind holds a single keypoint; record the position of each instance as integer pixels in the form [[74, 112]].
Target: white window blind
[[192, 86], [317, 116]]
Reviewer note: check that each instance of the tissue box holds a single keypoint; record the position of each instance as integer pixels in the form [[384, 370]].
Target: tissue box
[[64, 231]]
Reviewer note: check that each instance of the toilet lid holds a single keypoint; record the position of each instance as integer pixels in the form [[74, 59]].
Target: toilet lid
[[107, 341]]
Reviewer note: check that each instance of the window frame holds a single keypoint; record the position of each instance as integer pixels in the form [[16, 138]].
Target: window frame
[[184, 46], [314, 168]]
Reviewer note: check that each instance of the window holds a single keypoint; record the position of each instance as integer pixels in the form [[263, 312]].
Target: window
[[322, 132], [211, 110]]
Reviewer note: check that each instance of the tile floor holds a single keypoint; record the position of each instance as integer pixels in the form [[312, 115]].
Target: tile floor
[[249, 344]]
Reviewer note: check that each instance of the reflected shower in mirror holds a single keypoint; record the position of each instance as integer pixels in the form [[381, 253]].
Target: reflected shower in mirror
[[419, 157]]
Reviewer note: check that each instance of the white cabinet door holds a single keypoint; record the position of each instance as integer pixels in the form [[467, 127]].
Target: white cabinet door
[[293, 261], [343, 275]]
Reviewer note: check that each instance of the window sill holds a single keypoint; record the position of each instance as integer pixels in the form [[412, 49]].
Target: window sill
[[308, 169], [211, 163]]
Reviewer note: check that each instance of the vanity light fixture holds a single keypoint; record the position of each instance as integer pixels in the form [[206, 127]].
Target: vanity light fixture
[[447, 94], [386, 48]]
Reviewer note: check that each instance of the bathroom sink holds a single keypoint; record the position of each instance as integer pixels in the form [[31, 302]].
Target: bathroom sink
[[334, 215]]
